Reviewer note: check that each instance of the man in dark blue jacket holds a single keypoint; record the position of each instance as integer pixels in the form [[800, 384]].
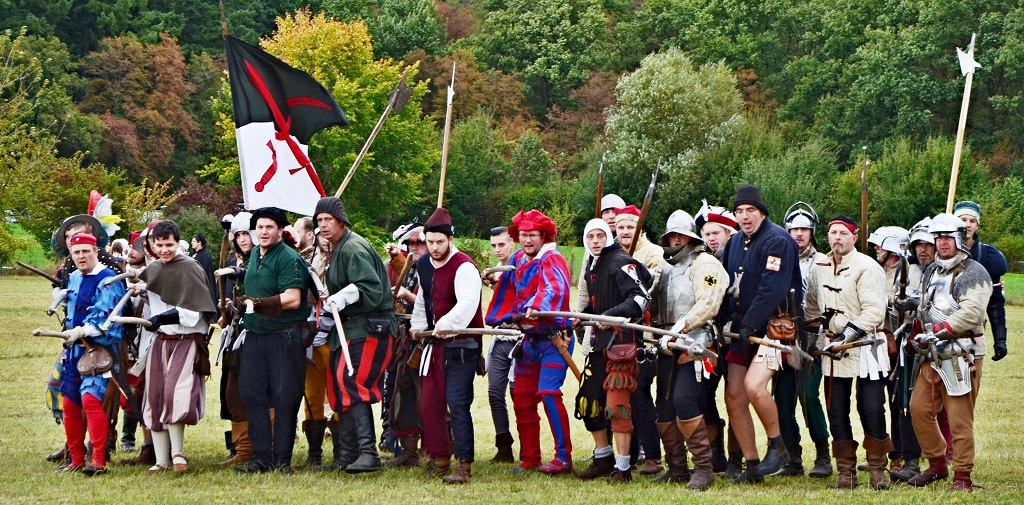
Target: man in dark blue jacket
[[764, 266], [995, 263]]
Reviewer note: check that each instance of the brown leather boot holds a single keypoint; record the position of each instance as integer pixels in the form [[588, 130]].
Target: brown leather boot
[[845, 452], [878, 459], [718, 461], [652, 467], [410, 456], [675, 454], [599, 467], [461, 475], [962, 482], [243, 449], [439, 466], [696, 434], [503, 441], [937, 470], [146, 457]]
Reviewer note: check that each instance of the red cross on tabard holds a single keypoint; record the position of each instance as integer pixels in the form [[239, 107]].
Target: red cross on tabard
[[283, 125]]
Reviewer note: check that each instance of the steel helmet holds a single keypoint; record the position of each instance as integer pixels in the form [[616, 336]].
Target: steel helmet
[[948, 225], [679, 222], [890, 238], [919, 233], [801, 215], [241, 223]]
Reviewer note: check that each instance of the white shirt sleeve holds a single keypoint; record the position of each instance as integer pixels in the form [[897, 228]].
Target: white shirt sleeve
[[419, 313]]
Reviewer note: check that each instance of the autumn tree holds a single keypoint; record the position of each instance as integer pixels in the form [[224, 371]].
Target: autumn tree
[[139, 92]]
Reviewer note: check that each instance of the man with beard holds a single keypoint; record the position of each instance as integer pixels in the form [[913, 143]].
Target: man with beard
[[956, 292], [906, 446], [616, 286], [273, 366], [995, 264], [803, 385], [764, 266], [542, 284], [361, 294], [498, 358], [178, 360], [690, 294], [448, 299], [849, 289], [89, 306]]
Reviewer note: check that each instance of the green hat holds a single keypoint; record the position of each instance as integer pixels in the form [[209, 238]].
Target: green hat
[[968, 208]]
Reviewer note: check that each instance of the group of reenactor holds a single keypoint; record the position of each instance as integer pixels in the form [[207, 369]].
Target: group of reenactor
[[312, 315]]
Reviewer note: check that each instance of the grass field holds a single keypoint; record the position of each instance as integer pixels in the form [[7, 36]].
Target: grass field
[[28, 432]]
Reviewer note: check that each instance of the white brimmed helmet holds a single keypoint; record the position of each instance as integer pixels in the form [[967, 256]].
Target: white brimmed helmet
[[680, 222], [890, 238], [948, 225]]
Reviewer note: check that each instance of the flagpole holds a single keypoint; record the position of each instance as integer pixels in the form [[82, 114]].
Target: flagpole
[[396, 102], [967, 66], [447, 133]]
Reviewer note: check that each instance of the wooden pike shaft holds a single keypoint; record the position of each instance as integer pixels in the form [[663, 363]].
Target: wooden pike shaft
[[468, 331], [401, 277], [959, 148], [370, 139], [39, 272], [447, 135]]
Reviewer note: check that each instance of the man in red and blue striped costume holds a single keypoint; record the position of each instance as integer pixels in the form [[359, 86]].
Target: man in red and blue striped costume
[[541, 284]]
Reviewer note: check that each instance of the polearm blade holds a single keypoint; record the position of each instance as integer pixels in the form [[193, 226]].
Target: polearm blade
[[447, 135], [967, 67], [600, 188], [621, 322], [396, 102]]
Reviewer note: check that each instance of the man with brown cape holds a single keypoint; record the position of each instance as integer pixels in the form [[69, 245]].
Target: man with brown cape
[[178, 360]]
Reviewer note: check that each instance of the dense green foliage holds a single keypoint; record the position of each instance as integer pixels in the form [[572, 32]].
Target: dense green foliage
[[120, 95]]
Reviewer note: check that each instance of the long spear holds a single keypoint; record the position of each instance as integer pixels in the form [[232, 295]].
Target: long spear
[[447, 134], [967, 67], [396, 102], [864, 203], [643, 211], [600, 188]]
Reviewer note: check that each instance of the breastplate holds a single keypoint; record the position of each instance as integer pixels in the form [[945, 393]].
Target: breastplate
[[939, 303], [676, 291]]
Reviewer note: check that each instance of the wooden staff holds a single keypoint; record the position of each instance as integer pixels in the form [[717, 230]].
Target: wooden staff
[[864, 203], [40, 273], [967, 67], [643, 212], [401, 276], [600, 189], [505, 332], [396, 102], [447, 134]]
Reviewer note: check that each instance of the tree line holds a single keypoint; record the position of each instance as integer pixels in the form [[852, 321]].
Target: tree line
[[131, 98]]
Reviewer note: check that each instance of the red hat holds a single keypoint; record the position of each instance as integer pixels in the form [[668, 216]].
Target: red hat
[[439, 222], [83, 238], [532, 220], [629, 212]]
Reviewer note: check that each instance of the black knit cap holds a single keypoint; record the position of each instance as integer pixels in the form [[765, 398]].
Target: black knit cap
[[748, 194], [333, 206], [272, 213], [439, 222]]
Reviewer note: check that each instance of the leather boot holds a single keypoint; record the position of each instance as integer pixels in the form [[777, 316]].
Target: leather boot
[[896, 464], [750, 475], [910, 469], [776, 458], [734, 466], [936, 471], [600, 467], [795, 466], [314, 430], [146, 457], [620, 476], [675, 454], [652, 467], [410, 456], [503, 441], [229, 443], [438, 467], [369, 458], [343, 443], [822, 461], [845, 452], [696, 435], [58, 456], [962, 482], [461, 475], [718, 461], [878, 459], [243, 449]]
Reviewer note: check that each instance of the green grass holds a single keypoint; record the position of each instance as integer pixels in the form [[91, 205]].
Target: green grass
[[28, 432], [1013, 289]]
